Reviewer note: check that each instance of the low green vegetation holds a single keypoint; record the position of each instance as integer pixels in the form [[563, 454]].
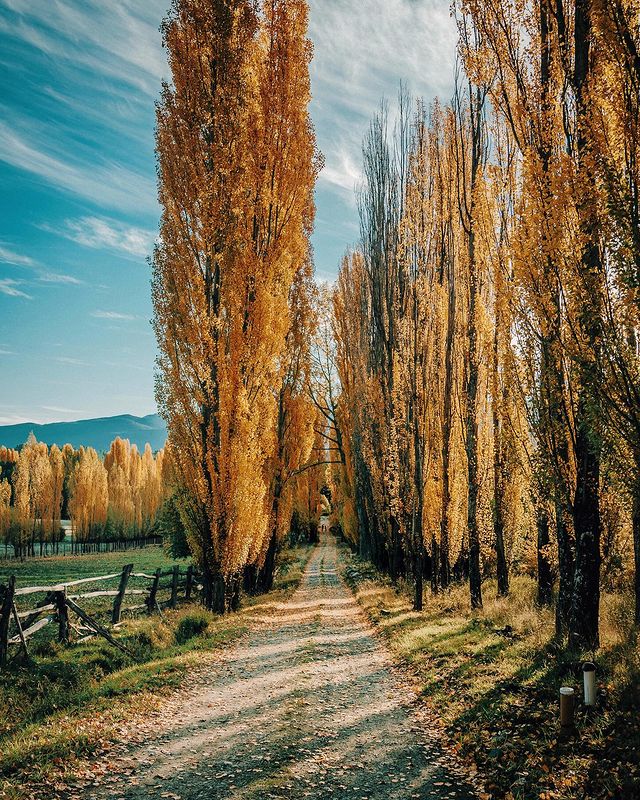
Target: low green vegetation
[[66, 701], [492, 677]]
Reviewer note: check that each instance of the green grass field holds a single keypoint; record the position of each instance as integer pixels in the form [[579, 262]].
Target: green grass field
[[56, 569], [53, 570]]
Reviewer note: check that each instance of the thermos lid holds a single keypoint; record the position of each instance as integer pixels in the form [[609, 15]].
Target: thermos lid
[[567, 690]]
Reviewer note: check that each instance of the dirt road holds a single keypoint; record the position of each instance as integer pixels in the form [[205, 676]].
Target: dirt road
[[306, 706]]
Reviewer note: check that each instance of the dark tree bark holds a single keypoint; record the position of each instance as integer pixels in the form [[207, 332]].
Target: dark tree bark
[[545, 576], [585, 601], [502, 567], [471, 417], [636, 553], [447, 428]]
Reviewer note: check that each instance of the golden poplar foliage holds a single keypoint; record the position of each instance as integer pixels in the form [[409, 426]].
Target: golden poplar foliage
[[237, 164], [487, 326], [106, 501], [89, 495]]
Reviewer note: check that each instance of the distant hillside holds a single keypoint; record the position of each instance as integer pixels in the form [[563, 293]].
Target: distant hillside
[[97, 433]]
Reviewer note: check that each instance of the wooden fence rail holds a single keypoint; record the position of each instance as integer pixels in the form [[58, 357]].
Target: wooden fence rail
[[57, 604]]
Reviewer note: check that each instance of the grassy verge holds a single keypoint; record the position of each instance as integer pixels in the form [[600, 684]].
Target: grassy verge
[[71, 700], [493, 679]]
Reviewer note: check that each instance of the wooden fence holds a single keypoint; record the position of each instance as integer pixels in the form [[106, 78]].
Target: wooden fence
[[18, 626]]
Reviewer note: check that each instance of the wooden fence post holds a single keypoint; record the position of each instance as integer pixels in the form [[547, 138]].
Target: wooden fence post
[[188, 590], [6, 609], [174, 586], [122, 588], [60, 600], [153, 591]]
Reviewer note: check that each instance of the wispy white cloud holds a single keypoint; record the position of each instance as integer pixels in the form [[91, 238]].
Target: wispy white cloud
[[362, 51], [100, 232], [54, 277], [75, 33], [60, 410], [5, 351], [112, 315], [123, 367], [13, 419], [73, 361], [342, 172], [9, 287], [108, 184], [8, 256]]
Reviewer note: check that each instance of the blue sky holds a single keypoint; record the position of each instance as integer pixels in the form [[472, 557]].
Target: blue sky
[[78, 204]]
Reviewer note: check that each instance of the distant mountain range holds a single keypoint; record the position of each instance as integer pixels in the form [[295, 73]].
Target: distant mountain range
[[96, 433]]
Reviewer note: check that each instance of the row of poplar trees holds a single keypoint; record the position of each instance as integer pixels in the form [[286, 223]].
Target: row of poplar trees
[[233, 287], [111, 499], [487, 325]]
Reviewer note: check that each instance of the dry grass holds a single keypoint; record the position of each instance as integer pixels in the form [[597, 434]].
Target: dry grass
[[493, 679]]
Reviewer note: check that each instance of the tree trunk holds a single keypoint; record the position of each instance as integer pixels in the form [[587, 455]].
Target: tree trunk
[[501, 558], [419, 570], [585, 601], [435, 561], [471, 444], [447, 428], [498, 400], [214, 591], [502, 567], [250, 578], [233, 593], [636, 553], [266, 573], [545, 577], [565, 570]]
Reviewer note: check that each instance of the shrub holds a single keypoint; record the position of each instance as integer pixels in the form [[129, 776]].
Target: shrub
[[170, 526], [190, 626]]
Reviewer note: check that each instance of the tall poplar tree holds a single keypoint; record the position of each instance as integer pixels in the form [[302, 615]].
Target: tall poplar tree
[[237, 165]]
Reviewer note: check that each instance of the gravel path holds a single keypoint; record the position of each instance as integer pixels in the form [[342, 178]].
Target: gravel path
[[306, 706]]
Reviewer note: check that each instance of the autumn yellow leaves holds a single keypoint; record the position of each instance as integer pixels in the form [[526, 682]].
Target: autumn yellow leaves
[[237, 163], [106, 500], [488, 375], [484, 331]]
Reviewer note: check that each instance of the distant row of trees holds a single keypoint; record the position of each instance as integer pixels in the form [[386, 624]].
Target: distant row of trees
[[108, 499]]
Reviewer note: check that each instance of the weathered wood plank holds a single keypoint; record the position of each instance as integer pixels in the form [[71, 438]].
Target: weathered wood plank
[[28, 633], [153, 591], [122, 588], [7, 594], [60, 586], [21, 635], [105, 593], [63, 616], [189, 586], [174, 587], [34, 612], [97, 627]]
